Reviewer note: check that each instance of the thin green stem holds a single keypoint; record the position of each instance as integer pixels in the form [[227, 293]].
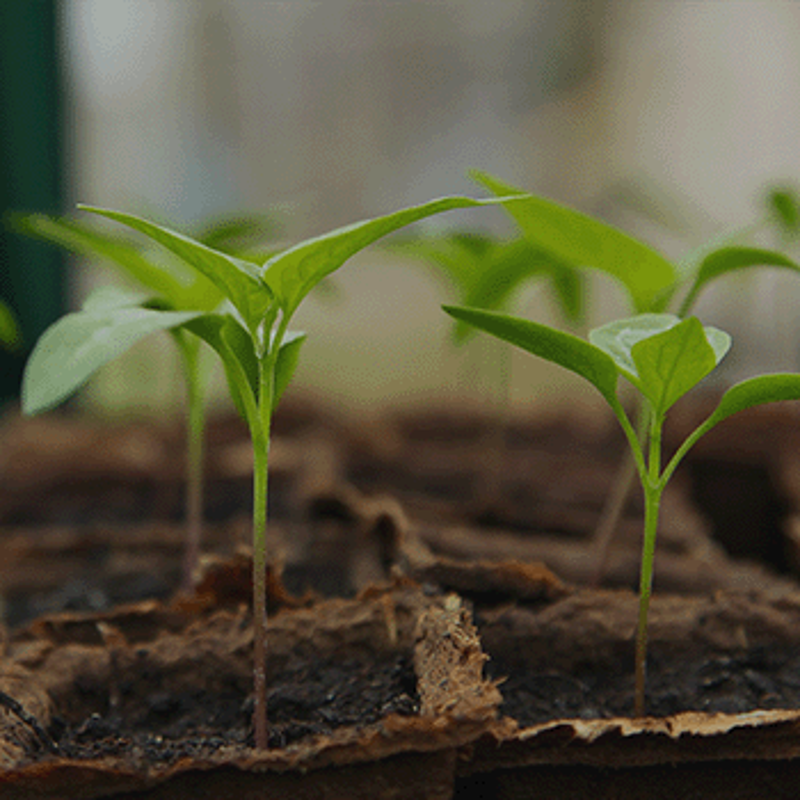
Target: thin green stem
[[260, 431], [260, 494], [653, 488], [617, 499]]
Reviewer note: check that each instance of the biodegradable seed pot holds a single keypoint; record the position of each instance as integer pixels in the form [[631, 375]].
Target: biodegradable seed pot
[[467, 653]]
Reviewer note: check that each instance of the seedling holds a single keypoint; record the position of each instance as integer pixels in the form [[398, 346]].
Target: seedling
[[252, 338], [172, 287], [651, 283], [662, 357]]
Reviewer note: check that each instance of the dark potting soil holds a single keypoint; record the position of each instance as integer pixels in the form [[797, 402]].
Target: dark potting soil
[[308, 697], [760, 678]]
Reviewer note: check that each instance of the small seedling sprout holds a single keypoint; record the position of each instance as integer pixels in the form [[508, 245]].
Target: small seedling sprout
[[171, 287], [251, 336], [662, 357], [652, 283]]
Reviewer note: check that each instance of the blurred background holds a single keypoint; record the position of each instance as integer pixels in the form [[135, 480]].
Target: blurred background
[[668, 119]]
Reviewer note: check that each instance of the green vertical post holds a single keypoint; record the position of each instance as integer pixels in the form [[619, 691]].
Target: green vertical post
[[32, 279]]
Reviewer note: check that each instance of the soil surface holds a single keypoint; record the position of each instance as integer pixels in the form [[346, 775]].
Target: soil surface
[[308, 697]]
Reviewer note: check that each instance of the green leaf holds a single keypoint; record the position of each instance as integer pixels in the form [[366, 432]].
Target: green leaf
[[9, 329], [586, 242], [729, 259], [293, 273], [671, 363], [286, 363], [238, 280], [561, 348], [234, 346], [785, 208], [617, 338], [755, 392], [72, 349], [83, 239], [238, 233]]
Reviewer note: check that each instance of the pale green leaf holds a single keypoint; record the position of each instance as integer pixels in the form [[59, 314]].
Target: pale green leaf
[[72, 349], [617, 338], [674, 361], [553, 345], [237, 279], [785, 208], [293, 273], [108, 297], [755, 392], [583, 241], [730, 259]]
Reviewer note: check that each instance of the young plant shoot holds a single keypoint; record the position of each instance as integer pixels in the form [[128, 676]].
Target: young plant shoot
[[662, 357], [259, 353], [651, 282], [171, 286]]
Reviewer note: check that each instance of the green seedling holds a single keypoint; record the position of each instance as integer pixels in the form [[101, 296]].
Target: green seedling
[[651, 284], [171, 286], [662, 357], [251, 336]]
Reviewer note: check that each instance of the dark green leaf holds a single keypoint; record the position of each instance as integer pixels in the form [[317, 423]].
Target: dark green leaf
[[729, 259], [72, 349], [238, 280], [286, 364], [293, 273], [582, 241], [234, 346], [9, 330], [561, 348]]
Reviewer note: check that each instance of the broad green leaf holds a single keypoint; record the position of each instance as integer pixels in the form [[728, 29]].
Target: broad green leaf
[[583, 241], [729, 259], [286, 364], [617, 338], [234, 346], [238, 280], [72, 349], [561, 348], [9, 330], [80, 238], [755, 392], [293, 273], [674, 361]]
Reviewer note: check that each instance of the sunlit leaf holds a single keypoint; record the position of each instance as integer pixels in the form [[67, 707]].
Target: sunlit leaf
[[582, 241], [561, 348], [293, 273], [674, 361], [755, 392], [785, 208], [730, 259], [238, 279], [72, 349]]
